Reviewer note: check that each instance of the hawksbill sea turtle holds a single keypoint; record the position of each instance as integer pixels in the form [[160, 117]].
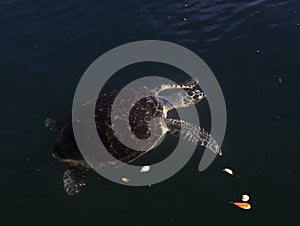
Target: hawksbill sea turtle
[[142, 112]]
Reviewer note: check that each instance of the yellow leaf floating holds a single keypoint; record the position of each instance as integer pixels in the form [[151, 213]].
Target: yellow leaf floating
[[242, 205]]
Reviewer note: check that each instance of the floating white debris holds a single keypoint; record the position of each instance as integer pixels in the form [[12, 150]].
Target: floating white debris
[[258, 51], [125, 179], [184, 19], [186, 5], [245, 198], [145, 169], [280, 80], [227, 170]]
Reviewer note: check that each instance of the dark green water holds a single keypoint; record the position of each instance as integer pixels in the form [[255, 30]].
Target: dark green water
[[45, 46]]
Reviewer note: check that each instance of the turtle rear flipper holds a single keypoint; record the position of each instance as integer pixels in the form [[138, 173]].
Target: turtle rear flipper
[[74, 180], [52, 125]]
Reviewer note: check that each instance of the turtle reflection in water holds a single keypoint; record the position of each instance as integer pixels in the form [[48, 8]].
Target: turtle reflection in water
[[142, 112]]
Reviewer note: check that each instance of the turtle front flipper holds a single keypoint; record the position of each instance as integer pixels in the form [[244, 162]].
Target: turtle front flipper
[[74, 180], [193, 133]]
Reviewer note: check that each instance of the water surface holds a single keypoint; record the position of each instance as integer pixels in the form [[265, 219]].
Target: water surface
[[45, 46]]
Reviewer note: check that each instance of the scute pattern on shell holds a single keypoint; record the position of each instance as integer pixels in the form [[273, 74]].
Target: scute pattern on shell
[[142, 112]]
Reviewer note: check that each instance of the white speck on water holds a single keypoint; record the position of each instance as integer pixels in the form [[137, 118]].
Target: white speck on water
[[245, 198], [186, 5], [145, 169], [280, 80], [228, 171], [184, 19], [298, 24], [36, 169], [258, 51]]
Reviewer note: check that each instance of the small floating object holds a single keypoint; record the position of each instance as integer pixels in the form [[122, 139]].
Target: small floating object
[[245, 198], [242, 205], [280, 80], [145, 169], [227, 170], [125, 179]]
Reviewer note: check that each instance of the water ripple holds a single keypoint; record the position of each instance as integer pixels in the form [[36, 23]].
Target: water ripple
[[35, 26]]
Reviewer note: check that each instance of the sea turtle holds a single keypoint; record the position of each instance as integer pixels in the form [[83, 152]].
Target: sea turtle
[[142, 112]]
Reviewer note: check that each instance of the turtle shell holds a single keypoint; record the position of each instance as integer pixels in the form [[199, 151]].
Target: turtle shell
[[142, 112]]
